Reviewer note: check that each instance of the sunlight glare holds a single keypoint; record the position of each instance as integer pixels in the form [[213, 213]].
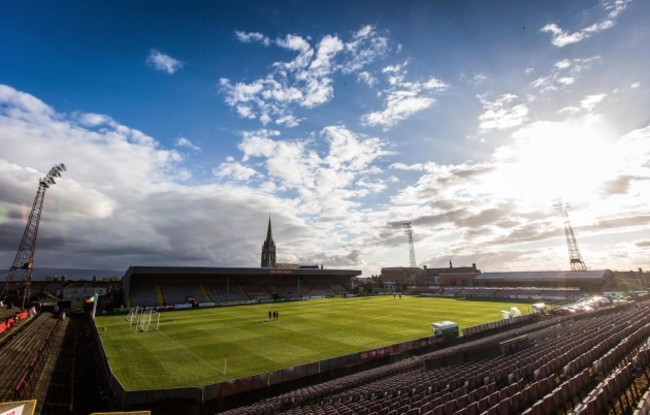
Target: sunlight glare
[[548, 160]]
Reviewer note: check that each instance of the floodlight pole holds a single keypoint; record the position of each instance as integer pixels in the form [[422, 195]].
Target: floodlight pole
[[575, 258], [21, 268], [408, 230]]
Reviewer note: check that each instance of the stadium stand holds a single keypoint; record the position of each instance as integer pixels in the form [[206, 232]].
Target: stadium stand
[[478, 292], [168, 286], [24, 355], [584, 364], [74, 383], [502, 293], [144, 296], [338, 289], [181, 293], [224, 293], [290, 290], [592, 280], [256, 291]]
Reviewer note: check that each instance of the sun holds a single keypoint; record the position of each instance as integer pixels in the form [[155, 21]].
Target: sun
[[548, 160]]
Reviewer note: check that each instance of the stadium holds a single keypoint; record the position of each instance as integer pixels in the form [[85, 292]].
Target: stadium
[[190, 137], [295, 339]]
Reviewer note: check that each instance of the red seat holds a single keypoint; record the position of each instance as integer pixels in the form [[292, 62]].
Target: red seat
[[472, 409], [516, 402]]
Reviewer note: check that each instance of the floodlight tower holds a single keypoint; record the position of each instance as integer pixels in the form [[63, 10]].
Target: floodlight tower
[[408, 230], [21, 268], [575, 259]]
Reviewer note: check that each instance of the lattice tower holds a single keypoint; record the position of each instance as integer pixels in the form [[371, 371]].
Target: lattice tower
[[21, 269], [408, 230], [575, 259]]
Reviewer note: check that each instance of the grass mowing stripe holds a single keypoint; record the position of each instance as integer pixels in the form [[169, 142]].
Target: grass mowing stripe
[[189, 350]]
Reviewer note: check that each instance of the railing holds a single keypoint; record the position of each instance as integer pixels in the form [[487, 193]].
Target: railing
[[25, 387]]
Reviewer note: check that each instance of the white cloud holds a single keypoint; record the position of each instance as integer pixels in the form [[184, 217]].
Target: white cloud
[[399, 106], [635, 85], [294, 42], [564, 73], [566, 80], [502, 113], [350, 151], [234, 169], [184, 142], [326, 184], [94, 120], [288, 120], [571, 109], [250, 37], [113, 170], [504, 204], [316, 190], [22, 105], [478, 79], [590, 101], [407, 167], [327, 49], [561, 37], [403, 98], [366, 46], [563, 64], [587, 104], [258, 143], [366, 78], [263, 99], [306, 81], [131, 191], [163, 62]]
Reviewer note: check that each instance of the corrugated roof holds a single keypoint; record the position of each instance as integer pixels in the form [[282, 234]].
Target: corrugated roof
[[186, 272], [543, 276]]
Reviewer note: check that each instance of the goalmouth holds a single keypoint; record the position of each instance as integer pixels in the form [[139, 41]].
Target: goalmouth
[[144, 320]]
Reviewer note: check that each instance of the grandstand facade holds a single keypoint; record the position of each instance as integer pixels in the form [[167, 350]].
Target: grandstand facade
[[425, 276], [597, 280], [452, 276], [168, 287], [440, 279]]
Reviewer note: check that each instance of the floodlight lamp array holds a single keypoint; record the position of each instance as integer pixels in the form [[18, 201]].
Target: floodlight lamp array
[[55, 171]]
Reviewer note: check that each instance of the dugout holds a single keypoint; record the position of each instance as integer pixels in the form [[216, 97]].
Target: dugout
[[151, 286]]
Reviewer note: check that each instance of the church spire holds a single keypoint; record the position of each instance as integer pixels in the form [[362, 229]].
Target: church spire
[[268, 249], [269, 234]]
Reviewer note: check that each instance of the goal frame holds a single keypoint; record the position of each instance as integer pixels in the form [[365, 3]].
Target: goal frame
[[147, 320]]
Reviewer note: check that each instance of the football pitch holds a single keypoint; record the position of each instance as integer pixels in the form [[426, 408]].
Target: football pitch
[[190, 346]]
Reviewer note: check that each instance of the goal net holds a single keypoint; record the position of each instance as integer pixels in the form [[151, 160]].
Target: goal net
[[133, 316], [148, 320]]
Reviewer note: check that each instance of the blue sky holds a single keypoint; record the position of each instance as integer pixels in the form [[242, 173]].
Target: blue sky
[[185, 126]]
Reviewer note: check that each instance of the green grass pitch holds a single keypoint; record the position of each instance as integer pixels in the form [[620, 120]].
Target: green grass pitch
[[189, 347]]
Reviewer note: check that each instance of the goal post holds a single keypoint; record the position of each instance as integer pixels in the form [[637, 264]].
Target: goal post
[[133, 316], [148, 320]]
